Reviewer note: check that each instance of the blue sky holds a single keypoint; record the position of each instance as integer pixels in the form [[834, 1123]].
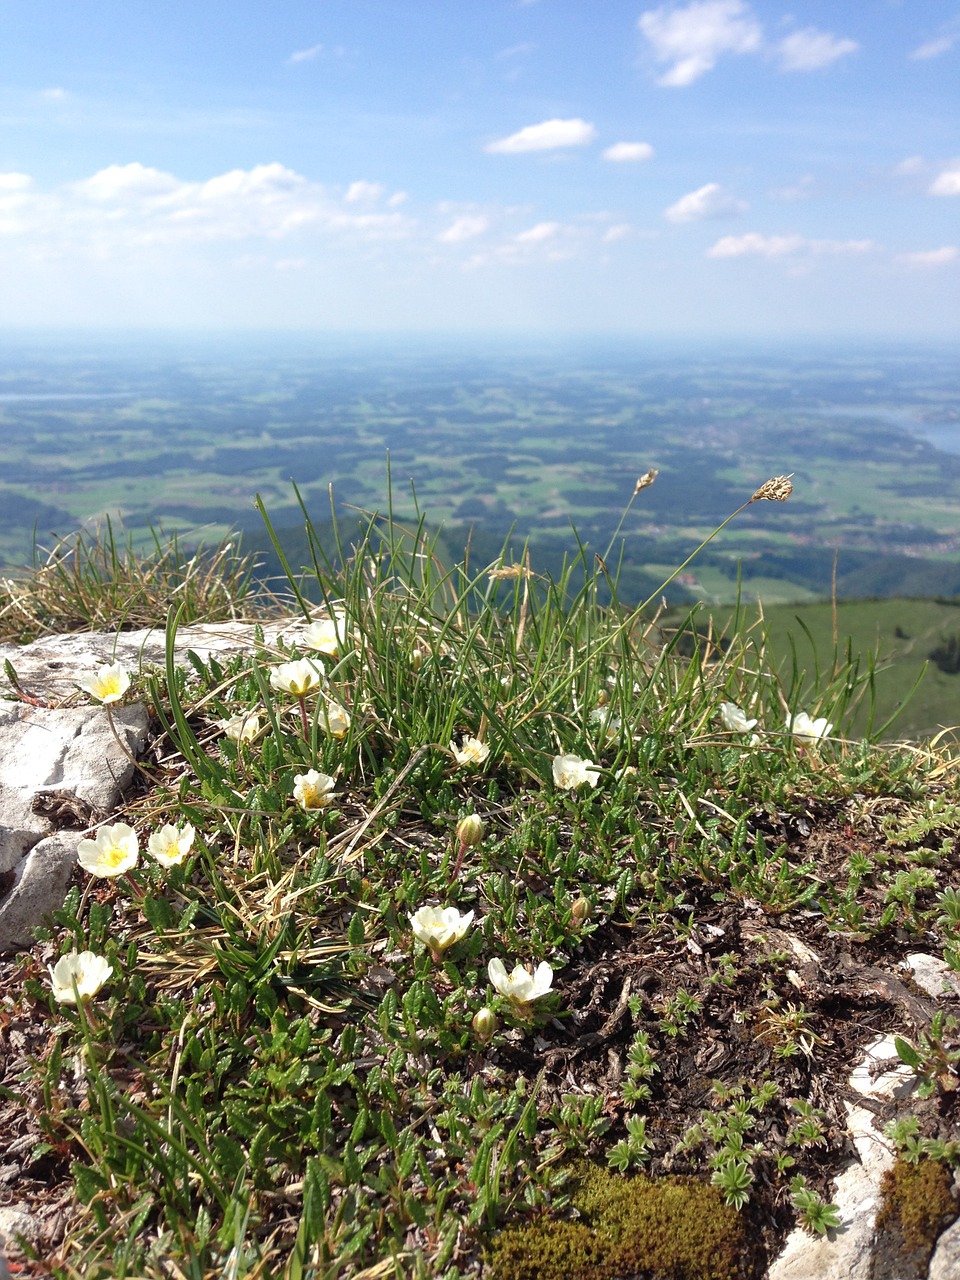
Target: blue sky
[[733, 167]]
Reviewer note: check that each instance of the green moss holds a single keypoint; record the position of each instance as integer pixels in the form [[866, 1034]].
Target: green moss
[[673, 1228], [917, 1204], [549, 1250]]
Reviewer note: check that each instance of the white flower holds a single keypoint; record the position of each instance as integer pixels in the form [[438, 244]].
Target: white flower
[[605, 722], [571, 772], [802, 726], [313, 790], [170, 845], [114, 851], [336, 719], [734, 720], [440, 927], [241, 728], [520, 987], [327, 635], [84, 969], [471, 751], [297, 678], [109, 684]]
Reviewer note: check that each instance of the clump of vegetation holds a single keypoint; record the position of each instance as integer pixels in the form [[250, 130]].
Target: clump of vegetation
[[673, 1228], [917, 1204], [447, 881], [102, 579]]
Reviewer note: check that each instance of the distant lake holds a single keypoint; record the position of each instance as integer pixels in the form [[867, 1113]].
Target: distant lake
[[944, 436]]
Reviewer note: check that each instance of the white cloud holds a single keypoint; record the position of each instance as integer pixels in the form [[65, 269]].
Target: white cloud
[[537, 234], [363, 192], [125, 181], [948, 182], [546, 136], [15, 202], [753, 245], [932, 257], [290, 264], [810, 49], [802, 189], [628, 152], [619, 231], [306, 55], [912, 164], [935, 47], [544, 242], [54, 95], [133, 206], [693, 38], [709, 201], [14, 183], [466, 227], [515, 50]]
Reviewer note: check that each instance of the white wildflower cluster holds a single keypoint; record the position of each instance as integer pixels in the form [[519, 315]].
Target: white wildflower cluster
[[439, 928], [801, 725], [116, 848]]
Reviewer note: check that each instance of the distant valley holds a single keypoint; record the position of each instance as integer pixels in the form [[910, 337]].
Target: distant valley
[[500, 441]]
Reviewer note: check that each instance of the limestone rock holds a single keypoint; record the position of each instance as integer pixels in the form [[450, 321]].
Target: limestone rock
[[933, 975], [49, 667], [847, 1254], [16, 1220], [39, 887], [65, 762], [945, 1263], [62, 767]]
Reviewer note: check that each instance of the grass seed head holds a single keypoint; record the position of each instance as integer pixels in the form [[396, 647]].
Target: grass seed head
[[777, 489]]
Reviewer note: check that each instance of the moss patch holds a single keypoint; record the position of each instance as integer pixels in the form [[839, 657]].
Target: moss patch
[[673, 1228], [917, 1204]]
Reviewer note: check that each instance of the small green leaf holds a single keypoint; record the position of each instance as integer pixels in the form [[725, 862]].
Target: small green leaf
[[355, 930], [906, 1052]]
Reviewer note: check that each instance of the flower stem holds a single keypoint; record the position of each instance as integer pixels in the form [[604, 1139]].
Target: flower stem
[[459, 862]]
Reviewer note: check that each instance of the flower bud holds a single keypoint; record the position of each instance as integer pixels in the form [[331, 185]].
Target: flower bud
[[416, 659], [469, 831], [581, 911], [484, 1025]]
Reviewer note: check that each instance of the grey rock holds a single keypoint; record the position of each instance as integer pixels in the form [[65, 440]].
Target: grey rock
[[846, 1254], [66, 766], [66, 762], [62, 763], [49, 667], [933, 975], [17, 1220], [39, 887], [945, 1263]]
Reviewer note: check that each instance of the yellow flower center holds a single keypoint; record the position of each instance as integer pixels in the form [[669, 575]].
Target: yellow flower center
[[114, 856]]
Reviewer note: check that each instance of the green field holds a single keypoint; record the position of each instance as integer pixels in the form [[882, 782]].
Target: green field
[[485, 442], [893, 638]]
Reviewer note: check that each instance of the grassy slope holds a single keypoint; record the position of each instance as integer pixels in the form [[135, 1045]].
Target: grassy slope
[[900, 633], [279, 1080]]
